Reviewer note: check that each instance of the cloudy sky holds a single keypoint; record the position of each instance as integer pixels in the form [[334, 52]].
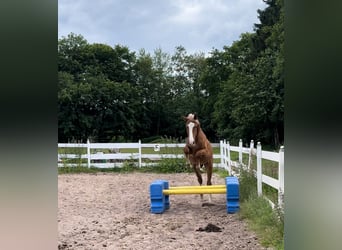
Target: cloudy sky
[[198, 25]]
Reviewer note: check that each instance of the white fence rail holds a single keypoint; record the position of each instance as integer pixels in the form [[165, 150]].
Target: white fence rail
[[108, 155]]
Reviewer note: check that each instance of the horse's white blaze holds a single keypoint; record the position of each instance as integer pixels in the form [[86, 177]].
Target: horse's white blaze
[[191, 136]]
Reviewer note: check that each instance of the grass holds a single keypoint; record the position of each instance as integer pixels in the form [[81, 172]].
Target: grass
[[76, 151], [269, 168], [262, 219], [164, 166]]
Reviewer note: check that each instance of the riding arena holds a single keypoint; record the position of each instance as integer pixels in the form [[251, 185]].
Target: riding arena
[[154, 211]]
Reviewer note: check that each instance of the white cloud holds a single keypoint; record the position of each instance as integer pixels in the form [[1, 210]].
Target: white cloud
[[198, 25], [188, 13]]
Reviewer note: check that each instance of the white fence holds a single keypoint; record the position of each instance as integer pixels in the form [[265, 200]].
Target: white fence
[[109, 155], [233, 166]]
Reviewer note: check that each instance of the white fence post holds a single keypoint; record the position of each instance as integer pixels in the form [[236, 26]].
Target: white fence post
[[221, 153], [259, 169], [228, 157], [251, 148], [88, 152], [225, 154], [281, 176], [139, 153], [240, 151]]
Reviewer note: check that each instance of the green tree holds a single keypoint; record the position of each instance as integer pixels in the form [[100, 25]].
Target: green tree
[[159, 92], [111, 93], [70, 54], [250, 104], [144, 75]]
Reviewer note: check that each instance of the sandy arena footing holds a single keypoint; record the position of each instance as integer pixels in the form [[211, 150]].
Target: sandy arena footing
[[111, 211]]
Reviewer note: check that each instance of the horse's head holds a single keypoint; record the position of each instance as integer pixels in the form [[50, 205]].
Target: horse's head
[[192, 126]]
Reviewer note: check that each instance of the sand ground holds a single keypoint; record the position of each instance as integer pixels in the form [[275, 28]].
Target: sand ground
[[111, 211]]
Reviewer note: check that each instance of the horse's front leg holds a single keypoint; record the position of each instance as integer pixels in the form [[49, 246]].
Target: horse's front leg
[[209, 168], [187, 153], [199, 175], [206, 157]]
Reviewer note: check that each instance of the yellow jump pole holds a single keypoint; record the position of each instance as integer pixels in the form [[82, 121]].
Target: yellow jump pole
[[199, 187], [194, 191]]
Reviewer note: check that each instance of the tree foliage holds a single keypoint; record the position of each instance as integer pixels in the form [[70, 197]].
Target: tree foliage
[[113, 94]]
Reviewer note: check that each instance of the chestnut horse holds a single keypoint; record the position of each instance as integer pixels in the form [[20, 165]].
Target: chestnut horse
[[198, 150]]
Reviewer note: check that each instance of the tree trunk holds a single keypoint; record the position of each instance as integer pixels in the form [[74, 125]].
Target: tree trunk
[[276, 137]]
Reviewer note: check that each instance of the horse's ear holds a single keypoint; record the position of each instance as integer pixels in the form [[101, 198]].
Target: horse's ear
[[184, 118], [195, 116]]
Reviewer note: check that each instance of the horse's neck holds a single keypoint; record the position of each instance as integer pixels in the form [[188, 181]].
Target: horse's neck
[[201, 138]]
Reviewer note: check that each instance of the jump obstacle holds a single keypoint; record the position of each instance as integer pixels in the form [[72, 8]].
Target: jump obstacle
[[160, 192]]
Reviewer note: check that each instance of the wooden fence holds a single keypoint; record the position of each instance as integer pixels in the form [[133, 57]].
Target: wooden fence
[[109, 155]]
